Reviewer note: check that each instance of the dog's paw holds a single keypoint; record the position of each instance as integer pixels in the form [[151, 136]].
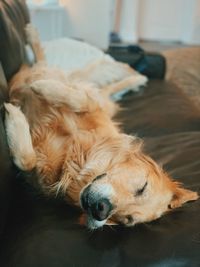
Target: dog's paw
[[19, 138], [12, 110], [14, 115], [26, 162], [137, 81]]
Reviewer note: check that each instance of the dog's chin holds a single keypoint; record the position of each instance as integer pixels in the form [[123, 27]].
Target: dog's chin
[[94, 224]]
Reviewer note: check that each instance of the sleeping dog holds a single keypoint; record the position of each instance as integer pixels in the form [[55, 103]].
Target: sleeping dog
[[61, 129]]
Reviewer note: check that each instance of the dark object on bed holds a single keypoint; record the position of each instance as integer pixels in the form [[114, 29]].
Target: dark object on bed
[[42, 232], [153, 65]]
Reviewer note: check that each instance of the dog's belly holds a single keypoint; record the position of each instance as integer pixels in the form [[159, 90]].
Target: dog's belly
[[59, 134], [50, 152]]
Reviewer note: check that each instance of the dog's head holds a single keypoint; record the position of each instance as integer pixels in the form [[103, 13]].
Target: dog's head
[[131, 189]]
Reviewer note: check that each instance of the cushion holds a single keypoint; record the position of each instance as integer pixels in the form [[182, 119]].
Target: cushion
[[13, 18], [161, 108], [84, 62], [43, 232]]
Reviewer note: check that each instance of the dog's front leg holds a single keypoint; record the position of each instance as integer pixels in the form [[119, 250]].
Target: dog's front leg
[[19, 138], [79, 97]]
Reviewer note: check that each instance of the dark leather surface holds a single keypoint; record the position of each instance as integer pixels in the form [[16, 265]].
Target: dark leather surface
[[13, 18], [5, 161], [44, 232], [162, 109]]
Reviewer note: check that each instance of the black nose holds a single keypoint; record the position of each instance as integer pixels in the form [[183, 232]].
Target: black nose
[[101, 209]]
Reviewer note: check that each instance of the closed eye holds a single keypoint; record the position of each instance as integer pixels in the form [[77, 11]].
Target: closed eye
[[140, 191], [99, 177]]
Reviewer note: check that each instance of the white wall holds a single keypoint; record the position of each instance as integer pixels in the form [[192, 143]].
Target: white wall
[[92, 20], [170, 20], [89, 20], [195, 33], [191, 22], [160, 19], [49, 21], [129, 21]]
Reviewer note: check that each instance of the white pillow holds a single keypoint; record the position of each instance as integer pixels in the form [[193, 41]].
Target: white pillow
[[84, 62], [70, 54]]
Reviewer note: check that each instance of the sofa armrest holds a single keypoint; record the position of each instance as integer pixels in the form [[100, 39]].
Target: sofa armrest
[[13, 18], [5, 160], [5, 176]]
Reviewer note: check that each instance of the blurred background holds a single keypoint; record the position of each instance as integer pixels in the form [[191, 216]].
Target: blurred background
[[147, 22]]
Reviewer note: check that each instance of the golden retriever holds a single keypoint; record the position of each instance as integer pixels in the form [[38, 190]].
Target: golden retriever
[[62, 130]]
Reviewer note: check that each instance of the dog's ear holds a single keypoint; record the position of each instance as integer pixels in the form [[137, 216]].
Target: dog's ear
[[181, 196], [133, 143]]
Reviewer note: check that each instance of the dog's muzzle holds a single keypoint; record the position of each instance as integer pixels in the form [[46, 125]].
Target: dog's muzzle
[[96, 206]]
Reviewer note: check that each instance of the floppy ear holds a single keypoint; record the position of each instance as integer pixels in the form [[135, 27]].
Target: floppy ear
[[133, 143], [181, 196]]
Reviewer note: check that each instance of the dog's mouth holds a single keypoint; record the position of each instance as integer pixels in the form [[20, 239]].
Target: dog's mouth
[[96, 205]]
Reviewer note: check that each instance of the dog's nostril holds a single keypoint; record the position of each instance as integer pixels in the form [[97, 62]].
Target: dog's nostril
[[101, 206], [101, 209]]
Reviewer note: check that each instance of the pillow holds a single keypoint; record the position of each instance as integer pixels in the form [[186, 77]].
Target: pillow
[[84, 62]]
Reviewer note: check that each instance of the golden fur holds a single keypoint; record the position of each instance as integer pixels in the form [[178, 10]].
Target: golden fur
[[74, 139]]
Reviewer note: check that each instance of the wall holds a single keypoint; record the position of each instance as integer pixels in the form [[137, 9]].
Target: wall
[[171, 20], [191, 22], [89, 20], [160, 19], [92, 21], [129, 21]]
